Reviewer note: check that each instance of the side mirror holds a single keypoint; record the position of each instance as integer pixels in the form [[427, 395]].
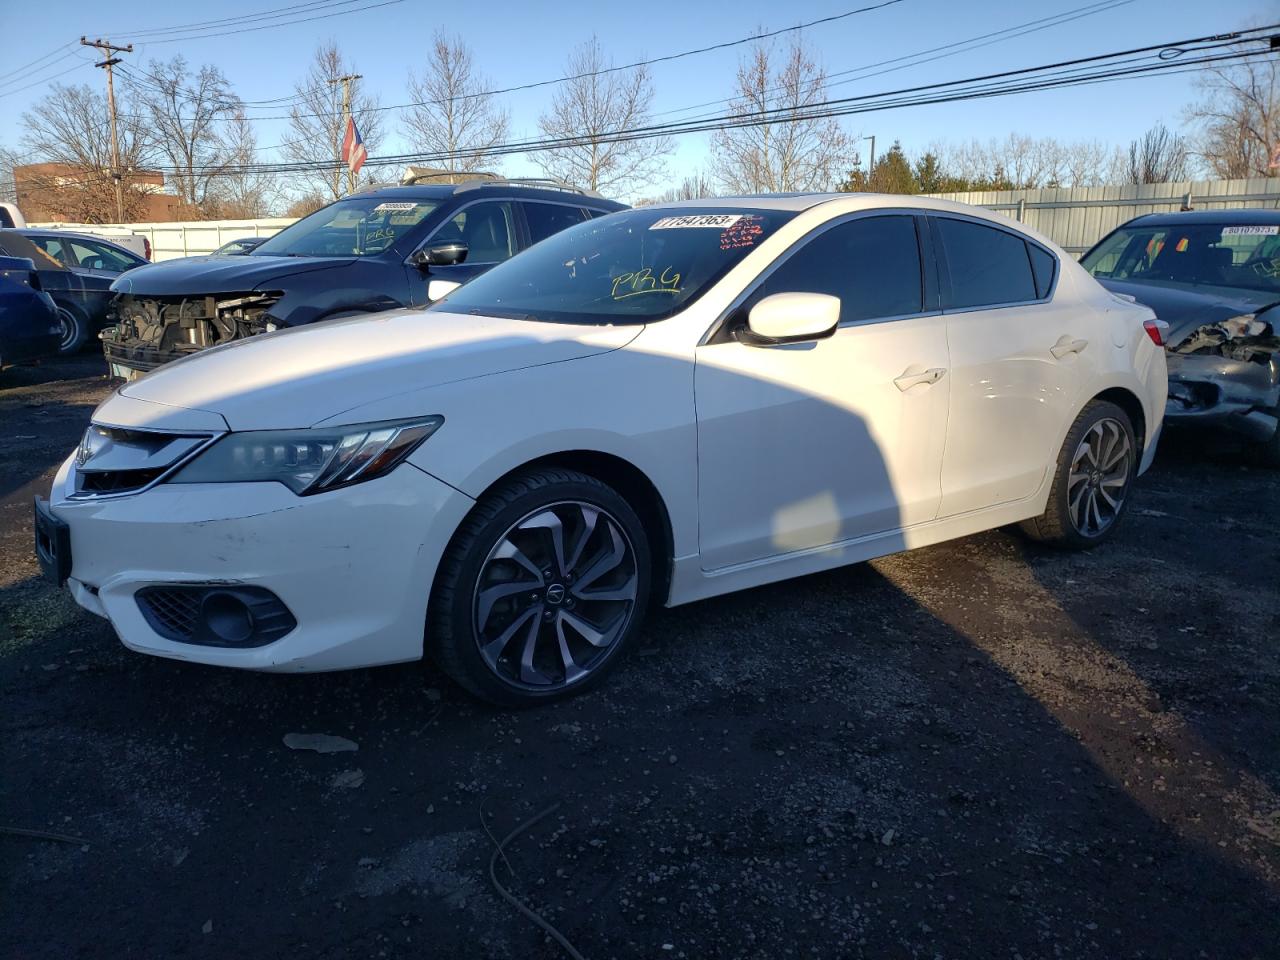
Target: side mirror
[[438, 288], [791, 318], [440, 255]]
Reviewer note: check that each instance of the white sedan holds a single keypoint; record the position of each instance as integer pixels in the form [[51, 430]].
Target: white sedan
[[664, 404]]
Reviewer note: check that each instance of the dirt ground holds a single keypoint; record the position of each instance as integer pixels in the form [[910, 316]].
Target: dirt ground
[[982, 749]]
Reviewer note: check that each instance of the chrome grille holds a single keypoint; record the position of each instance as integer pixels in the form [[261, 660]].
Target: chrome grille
[[112, 461]]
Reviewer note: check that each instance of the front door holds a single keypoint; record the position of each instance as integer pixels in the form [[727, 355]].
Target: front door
[[487, 227], [805, 445]]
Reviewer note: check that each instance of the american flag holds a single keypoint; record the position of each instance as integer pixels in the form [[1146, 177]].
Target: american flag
[[353, 152]]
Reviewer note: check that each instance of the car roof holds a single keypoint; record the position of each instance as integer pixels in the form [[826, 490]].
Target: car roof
[[1253, 216], [480, 188], [71, 234]]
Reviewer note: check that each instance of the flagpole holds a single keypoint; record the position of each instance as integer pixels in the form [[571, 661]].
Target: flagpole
[[346, 113]]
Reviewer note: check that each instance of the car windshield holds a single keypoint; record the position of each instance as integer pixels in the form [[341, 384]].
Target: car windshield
[[1232, 256], [356, 227], [629, 267]]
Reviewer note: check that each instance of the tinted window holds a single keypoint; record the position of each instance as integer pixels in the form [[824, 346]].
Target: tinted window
[[988, 267], [488, 230], [98, 256], [871, 264], [54, 248], [1243, 257], [548, 218], [5, 219], [1043, 263]]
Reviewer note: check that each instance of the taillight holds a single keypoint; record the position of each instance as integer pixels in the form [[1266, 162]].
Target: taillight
[[146, 247], [1156, 330]]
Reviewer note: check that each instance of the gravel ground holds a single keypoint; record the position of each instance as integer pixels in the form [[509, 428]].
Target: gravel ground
[[981, 749]]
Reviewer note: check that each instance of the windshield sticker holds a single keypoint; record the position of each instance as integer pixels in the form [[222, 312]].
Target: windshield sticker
[[1258, 231], [388, 207], [744, 232], [720, 220], [643, 281]]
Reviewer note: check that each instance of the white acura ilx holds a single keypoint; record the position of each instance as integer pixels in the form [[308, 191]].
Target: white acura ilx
[[662, 404]]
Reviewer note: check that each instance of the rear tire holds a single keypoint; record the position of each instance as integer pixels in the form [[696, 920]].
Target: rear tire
[[75, 329], [542, 589], [1091, 483]]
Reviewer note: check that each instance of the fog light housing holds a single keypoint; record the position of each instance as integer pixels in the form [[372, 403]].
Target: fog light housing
[[215, 615]]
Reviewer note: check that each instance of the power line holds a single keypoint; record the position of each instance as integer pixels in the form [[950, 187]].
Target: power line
[[274, 13], [283, 23], [1063, 73]]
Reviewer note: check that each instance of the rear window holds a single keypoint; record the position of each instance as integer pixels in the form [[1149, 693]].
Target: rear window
[[546, 219], [1043, 265], [5, 219], [988, 266]]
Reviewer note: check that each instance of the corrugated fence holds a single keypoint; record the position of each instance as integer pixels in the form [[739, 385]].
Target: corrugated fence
[[183, 238], [1078, 217]]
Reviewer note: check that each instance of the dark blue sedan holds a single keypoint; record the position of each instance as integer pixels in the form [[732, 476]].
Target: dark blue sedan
[[29, 325]]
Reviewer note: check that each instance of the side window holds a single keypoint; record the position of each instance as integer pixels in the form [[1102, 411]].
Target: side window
[[546, 219], [1043, 265], [100, 257], [988, 266], [488, 230], [872, 264], [55, 249]]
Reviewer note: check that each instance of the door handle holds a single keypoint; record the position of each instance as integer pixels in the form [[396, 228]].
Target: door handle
[[1066, 345], [908, 379]]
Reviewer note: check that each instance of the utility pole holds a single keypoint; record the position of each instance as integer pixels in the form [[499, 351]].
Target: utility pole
[[871, 166], [346, 112], [109, 50]]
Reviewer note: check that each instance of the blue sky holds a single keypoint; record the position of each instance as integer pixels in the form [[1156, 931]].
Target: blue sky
[[516, 43]]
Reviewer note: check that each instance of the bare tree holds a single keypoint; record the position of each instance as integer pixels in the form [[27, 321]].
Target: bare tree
[[1160, 156], [243, 191], [317, 123], [693, 187], [9, 158], [1237, 124], [784, 149], [597, 102], [454, 119], [184, 110], [69, 127]]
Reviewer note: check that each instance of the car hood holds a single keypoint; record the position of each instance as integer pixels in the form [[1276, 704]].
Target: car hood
[[1187, 310], [298, 377], [198, 276]]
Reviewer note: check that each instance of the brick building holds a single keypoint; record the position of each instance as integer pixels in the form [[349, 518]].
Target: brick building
[[58, 192]]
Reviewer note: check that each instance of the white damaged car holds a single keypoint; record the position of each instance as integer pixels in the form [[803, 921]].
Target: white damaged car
[[663, 404]]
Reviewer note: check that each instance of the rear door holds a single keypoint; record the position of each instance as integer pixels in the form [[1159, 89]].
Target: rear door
[[544, 218], [1019, 360]]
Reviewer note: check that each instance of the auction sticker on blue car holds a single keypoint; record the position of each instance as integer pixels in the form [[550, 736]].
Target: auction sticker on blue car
[[1259, 231], [717, 220]]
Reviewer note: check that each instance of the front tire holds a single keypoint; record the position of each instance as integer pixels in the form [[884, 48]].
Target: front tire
[[1095, 470], [75, 329], [542, 589]]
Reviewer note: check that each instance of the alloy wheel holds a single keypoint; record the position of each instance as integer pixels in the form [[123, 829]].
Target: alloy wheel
[[1099, 477], [70, 330], [555, 595]]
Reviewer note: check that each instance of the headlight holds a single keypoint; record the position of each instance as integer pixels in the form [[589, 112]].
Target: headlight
[[310, 461]]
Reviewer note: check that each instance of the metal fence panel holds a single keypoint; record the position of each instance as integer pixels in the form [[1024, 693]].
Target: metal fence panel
[[1078, 217], [182, 238]]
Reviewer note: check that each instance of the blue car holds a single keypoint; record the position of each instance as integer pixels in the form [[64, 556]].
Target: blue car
[[30, 328], [381, 249]]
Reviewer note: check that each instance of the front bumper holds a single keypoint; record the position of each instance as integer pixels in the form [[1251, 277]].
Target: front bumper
[[353, 566], [1214, 391]]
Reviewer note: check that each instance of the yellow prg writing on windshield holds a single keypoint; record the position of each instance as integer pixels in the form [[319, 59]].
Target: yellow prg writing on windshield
[[643, 281]]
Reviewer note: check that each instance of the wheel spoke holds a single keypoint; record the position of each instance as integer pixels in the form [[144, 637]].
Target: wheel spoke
[[1117, 454], [547, 520], [625, 592], [509, 551], [1095, 511], [528, 672], [494, 648], [594, 635], [589, 517], [616, 553], [572, 671], [491, 595], [1111, 501]]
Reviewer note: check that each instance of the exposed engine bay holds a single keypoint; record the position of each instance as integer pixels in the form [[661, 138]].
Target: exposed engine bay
[[150, 331], [1229, 371]]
